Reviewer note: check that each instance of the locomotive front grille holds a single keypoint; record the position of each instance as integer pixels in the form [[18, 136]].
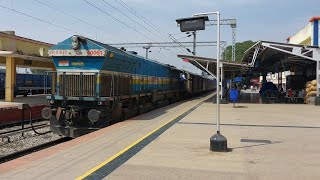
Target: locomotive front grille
[[77, 85]]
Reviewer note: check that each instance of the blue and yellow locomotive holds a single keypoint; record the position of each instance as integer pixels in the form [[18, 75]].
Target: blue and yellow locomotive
[[97, 85]]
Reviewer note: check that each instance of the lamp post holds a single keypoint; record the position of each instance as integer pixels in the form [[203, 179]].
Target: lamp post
[[147, 50], [194, 42], [217, 142]]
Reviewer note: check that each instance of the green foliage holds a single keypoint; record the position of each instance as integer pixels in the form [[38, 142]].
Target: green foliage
[[240, 49]]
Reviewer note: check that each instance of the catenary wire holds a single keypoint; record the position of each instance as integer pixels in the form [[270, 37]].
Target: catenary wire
[[123, 23], [134, 12]]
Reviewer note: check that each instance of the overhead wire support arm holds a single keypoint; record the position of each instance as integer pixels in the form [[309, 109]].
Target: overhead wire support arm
[[233, 24], [147, 22], [168, 44]]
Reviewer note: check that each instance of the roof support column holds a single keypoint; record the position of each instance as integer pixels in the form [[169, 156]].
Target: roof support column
[[53, 81], [10, 78], [264, 77]]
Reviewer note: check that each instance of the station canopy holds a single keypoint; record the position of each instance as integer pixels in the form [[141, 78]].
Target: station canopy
[[27, 52], [267, 56], [210, 64], [25, 57]]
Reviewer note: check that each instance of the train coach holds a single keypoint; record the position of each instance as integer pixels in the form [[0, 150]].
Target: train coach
[[27, 84], [97, 85]]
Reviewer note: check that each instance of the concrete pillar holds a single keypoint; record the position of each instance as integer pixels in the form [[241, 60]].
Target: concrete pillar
[[15, 75], [10, 78], [279, 80]]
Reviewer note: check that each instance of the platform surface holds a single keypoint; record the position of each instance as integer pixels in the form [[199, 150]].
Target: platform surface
[[266, 141], [32, 100]]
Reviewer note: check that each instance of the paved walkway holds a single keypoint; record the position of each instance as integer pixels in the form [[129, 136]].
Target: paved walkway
[[266, 141]]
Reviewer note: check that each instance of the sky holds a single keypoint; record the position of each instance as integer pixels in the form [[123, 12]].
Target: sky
[[154, 20]]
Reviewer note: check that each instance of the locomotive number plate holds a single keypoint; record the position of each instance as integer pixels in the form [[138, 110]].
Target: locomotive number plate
[[82, 52]]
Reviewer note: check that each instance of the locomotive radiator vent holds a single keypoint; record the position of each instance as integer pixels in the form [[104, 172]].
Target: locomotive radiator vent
[[77, 85]]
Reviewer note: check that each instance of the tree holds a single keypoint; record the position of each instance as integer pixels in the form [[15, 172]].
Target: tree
[[240, 49]]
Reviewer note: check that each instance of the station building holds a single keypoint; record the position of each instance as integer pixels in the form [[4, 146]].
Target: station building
[[308, 35]]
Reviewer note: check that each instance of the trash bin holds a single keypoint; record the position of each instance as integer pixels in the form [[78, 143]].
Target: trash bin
[[234, 93]]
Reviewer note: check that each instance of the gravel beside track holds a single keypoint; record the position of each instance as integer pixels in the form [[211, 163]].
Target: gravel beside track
[[30, 139], [15, 126]]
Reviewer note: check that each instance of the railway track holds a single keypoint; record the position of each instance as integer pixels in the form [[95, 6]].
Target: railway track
[[18, 123], [30, 150], [6, 135]]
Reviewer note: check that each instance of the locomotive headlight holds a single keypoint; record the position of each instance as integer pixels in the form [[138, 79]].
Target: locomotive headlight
[[74, 38], [75, 42], [51, 101]]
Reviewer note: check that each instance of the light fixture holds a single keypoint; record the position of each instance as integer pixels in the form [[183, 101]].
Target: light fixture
[[75, 42]]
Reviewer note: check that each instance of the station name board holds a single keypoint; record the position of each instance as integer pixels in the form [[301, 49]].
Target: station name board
[[192, 23]]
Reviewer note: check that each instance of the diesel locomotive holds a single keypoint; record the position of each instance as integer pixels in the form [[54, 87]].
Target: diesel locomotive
[[97, 85]]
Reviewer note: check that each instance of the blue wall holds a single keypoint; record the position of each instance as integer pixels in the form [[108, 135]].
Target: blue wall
[[316, 32]]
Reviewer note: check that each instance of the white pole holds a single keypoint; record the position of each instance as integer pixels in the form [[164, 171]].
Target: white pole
[[147, 53], [218, 73], [222, 74], [218, 64]]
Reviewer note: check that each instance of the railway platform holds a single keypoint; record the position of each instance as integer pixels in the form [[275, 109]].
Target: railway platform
[[32, 100], [9, 112], [266, 141]]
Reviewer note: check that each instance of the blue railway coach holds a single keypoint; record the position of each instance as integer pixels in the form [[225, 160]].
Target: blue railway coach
[[27, 84], [97, 85]]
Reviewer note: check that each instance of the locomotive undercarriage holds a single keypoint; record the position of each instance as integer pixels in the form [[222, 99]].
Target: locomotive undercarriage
[[76, 118]]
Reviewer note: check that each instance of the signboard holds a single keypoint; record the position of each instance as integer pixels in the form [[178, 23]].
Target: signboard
[[91, 52], [192, 24]]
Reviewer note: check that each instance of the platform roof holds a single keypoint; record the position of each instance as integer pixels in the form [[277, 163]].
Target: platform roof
[[27, 52], [27, 61], [210, 63], [271, 56]]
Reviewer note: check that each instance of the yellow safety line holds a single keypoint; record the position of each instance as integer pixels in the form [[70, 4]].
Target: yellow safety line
[[125, 149]]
